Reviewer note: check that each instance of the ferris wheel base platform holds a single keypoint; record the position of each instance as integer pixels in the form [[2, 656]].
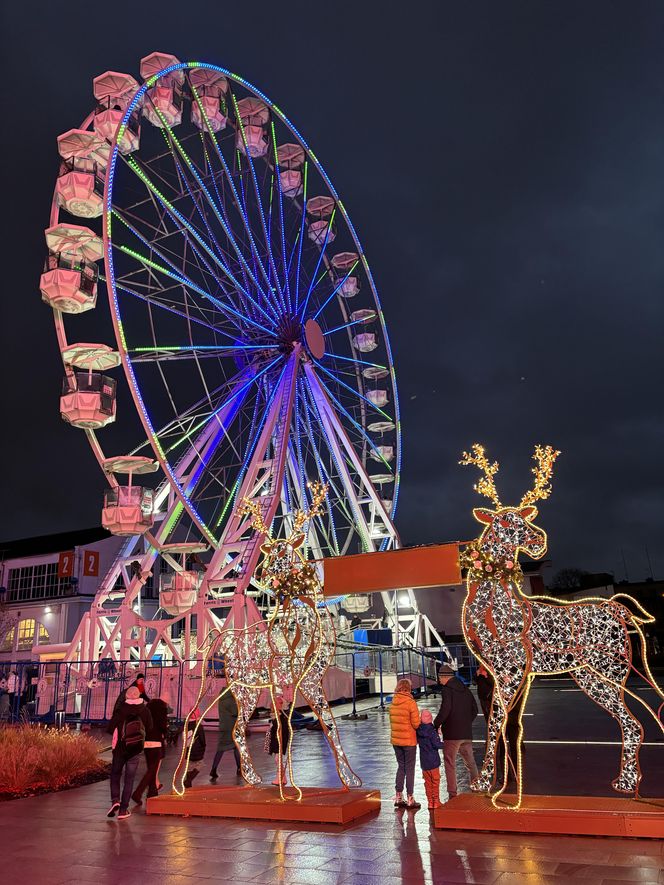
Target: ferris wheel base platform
[[560, 815], [317, 805]]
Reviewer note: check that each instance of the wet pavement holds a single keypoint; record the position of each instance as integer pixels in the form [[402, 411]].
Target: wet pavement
[[66, 838]]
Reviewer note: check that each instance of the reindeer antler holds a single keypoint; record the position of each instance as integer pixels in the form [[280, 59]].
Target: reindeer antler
[[318, 494], [486, 486], [545, 457], [253, 508]]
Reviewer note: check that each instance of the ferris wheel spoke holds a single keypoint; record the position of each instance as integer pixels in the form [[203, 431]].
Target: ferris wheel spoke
[[261, 211], [152, 301], [354, 360], [180, 352], [340, 498], [353, 390], [196, 410], [225, 403], [185, 281], [300, 237], [346, 326], [220, 251], [355, 424], [277, 175], [335, 290], [216, 209], [164, 257], [177, 216], [239, 205], [320, 258], [324, 476]]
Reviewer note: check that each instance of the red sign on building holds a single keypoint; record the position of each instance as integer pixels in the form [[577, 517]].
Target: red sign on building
[[90, 563], [66, 564]]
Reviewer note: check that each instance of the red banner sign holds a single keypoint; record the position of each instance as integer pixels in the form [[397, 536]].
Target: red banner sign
[[66, 564], [90, 563]]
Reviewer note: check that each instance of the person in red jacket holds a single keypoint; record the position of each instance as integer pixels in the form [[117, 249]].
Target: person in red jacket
[[404, 721]]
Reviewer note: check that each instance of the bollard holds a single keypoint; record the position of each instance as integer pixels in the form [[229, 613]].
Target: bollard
[[354, 714], [380, 679], [60, 719]]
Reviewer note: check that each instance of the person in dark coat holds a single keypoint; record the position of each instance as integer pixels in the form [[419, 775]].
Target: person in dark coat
[[197, 744], [485, 694], [138, 683], [129, 726], [279, 723], [458, 710], [153, 749], [430, 744], [228, 713]]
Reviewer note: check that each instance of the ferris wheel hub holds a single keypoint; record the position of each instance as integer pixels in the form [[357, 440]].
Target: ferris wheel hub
[[314, 339]]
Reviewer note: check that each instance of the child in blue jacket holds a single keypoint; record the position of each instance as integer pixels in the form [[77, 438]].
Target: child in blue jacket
[[429, 744]]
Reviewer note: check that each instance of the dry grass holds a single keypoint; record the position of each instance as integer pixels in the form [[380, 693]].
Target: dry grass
[[36, 759]]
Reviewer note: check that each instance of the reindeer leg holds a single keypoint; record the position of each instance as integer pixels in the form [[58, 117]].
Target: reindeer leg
[[312, 690], [246, 698], [607, 692], [495, 728]]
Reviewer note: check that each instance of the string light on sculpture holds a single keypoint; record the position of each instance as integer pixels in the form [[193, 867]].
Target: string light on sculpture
[[291, 651], [518, 637]]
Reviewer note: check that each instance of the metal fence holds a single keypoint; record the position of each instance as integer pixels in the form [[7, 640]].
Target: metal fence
[[59, 692]]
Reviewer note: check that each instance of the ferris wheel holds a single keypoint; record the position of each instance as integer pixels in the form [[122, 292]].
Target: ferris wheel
[[255, 352]]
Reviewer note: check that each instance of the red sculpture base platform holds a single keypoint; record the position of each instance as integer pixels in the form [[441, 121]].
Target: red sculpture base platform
[[571, 815], [317, 805]]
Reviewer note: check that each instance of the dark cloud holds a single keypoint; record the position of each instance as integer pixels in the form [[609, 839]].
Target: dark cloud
[[503, 164]]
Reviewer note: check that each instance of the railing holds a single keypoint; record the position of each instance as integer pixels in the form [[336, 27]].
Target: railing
[[79, 693]]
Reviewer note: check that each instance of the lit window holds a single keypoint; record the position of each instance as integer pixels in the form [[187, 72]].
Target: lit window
[[29, 635]]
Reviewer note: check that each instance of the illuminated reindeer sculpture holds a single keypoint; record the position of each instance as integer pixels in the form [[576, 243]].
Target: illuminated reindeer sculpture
[[518, 637], [291, 651]]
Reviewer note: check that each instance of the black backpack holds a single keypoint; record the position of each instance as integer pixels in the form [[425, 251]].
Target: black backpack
[[133, 733]]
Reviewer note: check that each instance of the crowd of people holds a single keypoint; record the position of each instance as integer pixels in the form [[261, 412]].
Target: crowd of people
[[139, 726]]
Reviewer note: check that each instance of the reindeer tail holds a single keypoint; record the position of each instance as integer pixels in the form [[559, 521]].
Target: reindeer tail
[[641, 616]]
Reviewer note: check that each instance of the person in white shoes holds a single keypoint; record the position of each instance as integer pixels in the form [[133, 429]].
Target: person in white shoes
[[404, 721]]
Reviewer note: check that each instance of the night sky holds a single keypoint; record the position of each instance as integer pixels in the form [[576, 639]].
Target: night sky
[[503, 164]]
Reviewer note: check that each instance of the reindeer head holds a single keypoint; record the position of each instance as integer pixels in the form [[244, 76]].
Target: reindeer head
[[284, 569], [509, 530]]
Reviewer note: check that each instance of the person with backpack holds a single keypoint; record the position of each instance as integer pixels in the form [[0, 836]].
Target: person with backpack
[[129, 726], [197, 744], [138, 683]]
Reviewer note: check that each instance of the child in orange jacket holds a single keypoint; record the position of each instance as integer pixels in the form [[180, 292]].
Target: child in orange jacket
[[404, 721]]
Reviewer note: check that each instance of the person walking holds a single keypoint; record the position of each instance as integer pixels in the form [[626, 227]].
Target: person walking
[[197, 744], [153, 749], [458, 710], [279, 725], [228, 712], [138, 683], [430, 744], [129, 726], [404, 720]]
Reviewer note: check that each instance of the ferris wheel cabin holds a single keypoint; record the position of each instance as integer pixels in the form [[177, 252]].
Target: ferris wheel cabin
[[178, 591], [208, 108], [80, 184], [88, 397], [320, 230], [128, 510], [251, 138], [113, 92], [290, 158], [69, 280], [163, 101], [344, 263]]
